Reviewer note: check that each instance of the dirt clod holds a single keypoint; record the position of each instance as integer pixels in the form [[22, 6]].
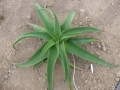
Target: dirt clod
[[103, 46], [29, 17], [117, 79], [118, 74]]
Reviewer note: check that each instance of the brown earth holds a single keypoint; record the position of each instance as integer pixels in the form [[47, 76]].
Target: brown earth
[[102, 14]]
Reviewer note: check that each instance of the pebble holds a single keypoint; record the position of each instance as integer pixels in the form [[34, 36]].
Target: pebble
[[91, 43], [80, 24], [103, 46], [9, 71], [89, 20], [50, 4], [29, 17], [13, 72], [8, 45], [98, 46], [118, 74], [82, 12], [90, 24], [108, 52], [20, 26], [117, 79]]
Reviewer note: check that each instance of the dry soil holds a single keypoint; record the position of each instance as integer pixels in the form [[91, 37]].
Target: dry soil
[[102, 14]]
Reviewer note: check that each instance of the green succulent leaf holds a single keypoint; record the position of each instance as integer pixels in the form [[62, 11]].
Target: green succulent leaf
[[79, 30], [82, 41], [48, 45], [37, 28], [52, 57], [36, 58], [73, 48], [65, 63], [42, 35], [41, 29], [48, 24], [57, 29], [67, 23]]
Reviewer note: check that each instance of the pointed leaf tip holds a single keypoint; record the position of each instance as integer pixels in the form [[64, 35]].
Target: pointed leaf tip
[[71, 47], [46, 20], [67, 23]]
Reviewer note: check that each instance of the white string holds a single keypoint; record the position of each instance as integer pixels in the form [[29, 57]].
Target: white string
[[74, 73]]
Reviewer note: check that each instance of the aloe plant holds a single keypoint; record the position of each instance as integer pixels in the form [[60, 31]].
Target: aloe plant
[[60, 40]]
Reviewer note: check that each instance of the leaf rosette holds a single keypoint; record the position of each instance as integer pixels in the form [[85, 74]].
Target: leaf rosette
[[60, 40]]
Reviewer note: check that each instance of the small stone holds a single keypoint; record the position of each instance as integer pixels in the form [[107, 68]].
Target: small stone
[[80, 24], [98, 46], [50, 4], [89, 20], [29, 17], [117, 79], [103, 46], [81, 10], [9, 71], [13, 72], [86, 81], [118, 74], [91, 43], [8, 45], [108, 52], [90, 24]]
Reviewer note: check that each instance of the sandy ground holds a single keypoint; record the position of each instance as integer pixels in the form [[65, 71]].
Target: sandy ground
[[102, 14]]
